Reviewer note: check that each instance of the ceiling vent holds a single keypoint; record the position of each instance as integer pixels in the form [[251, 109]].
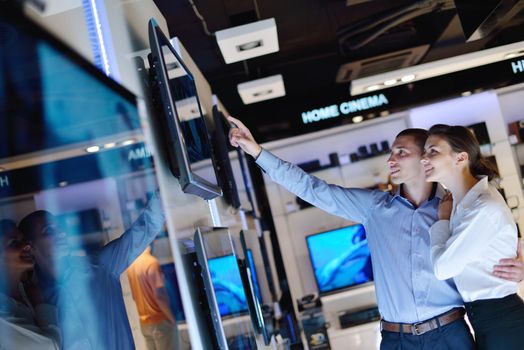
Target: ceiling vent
[[248, 40], [380, 64]]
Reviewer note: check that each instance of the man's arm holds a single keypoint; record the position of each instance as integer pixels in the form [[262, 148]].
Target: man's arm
[[118, 254], [352, 204]]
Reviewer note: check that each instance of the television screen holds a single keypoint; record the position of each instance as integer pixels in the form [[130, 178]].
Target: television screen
[[221, 148], [340, 258], [183, 126], [227, 283], [51, 97], [254, 277]]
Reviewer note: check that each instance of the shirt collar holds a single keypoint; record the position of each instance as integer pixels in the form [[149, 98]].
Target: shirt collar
[[436, 191], [475, 191]]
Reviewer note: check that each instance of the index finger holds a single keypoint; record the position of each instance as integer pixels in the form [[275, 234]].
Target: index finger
[[237, 122]]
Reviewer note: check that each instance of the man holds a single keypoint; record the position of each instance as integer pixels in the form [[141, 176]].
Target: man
[[418, 310], [87, 289], [157, 322]]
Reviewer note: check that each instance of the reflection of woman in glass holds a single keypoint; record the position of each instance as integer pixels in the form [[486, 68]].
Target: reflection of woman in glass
[[475, 230], [26, 322]]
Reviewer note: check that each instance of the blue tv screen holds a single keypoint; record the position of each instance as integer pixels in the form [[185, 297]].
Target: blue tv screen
[[340, 258], [254, 274], [227, 283]]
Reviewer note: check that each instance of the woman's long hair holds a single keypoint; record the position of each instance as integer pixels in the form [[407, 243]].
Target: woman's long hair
[[461, 139]]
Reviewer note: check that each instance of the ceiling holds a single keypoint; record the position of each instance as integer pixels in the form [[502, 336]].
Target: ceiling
[[317, 37]]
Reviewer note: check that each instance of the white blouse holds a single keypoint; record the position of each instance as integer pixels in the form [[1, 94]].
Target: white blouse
[[480, 233]]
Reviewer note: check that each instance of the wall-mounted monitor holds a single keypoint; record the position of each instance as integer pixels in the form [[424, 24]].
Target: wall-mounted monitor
[[183, 124], [252, 288], [227, 283], [221, 148], [340, 258]]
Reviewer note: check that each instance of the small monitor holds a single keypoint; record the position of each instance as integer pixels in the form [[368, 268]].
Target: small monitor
[[254, 297], [227, 283], [340, 258], [177, 104]]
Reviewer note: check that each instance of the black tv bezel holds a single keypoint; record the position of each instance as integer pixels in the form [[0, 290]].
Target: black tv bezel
[[336, 290], [214, 312], [226, 178], [178, 158]]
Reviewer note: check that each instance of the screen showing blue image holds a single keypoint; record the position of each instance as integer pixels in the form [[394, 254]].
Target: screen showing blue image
[[340, 258], [254, 274], [227, 283]]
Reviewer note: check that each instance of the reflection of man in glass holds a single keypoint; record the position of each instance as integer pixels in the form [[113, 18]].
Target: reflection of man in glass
[[26, 320], [87, 290], [157, 323]]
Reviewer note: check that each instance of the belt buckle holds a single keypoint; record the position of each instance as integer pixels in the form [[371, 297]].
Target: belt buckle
[[415, 330]]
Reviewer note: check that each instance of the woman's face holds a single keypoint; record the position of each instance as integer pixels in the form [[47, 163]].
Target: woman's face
[[15, 251], [439, 160]]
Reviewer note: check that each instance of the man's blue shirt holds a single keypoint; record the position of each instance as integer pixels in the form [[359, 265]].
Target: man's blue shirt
[[398, 237]]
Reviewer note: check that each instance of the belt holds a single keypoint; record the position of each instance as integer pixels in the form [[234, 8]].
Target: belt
[[424, 326]]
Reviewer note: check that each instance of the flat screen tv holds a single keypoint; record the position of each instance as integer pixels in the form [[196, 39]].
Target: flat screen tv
[[183, 124], [227, 284], [340, 258], [252, 288], [221, 149]]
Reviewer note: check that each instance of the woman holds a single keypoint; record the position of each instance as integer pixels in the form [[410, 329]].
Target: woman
[[475, 230], [26, 322]]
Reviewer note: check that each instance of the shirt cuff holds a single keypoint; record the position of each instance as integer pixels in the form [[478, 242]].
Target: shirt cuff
[[266, 160], [439, 232]]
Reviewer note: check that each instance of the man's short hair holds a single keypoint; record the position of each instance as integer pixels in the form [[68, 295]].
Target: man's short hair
[[27, 224], [419, 135]]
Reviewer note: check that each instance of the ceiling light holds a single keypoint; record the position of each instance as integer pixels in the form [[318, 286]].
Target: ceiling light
[[187, 108], [384, 113], [92, 149], [2, 169], [466, 93], [262, 89], [357, 119], [437, 68], [408, 78], [128, 142], [510, 55], [249, 46], [248, 40], [63, 183], [110, 145], [390, 82]]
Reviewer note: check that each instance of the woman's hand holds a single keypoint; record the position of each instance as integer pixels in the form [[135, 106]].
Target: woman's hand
[[445, 207], [240, 136]]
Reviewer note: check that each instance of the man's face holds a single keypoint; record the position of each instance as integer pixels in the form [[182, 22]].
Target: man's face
[[49, 240], [15, 251], [404, 161]]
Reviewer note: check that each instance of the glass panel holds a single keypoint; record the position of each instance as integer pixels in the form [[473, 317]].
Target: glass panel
[[78, 205], [224, 289]]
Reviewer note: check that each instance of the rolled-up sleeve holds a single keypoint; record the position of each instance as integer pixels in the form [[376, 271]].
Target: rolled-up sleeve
[[350, 203]]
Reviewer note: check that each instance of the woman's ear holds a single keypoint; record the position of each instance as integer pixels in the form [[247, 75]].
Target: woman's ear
[[462, 158]]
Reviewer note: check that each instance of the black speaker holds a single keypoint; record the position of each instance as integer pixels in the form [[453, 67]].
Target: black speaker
[[354, 318]]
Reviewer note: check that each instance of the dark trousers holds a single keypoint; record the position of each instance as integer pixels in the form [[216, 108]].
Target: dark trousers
[[453, 336], [498, 323]]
